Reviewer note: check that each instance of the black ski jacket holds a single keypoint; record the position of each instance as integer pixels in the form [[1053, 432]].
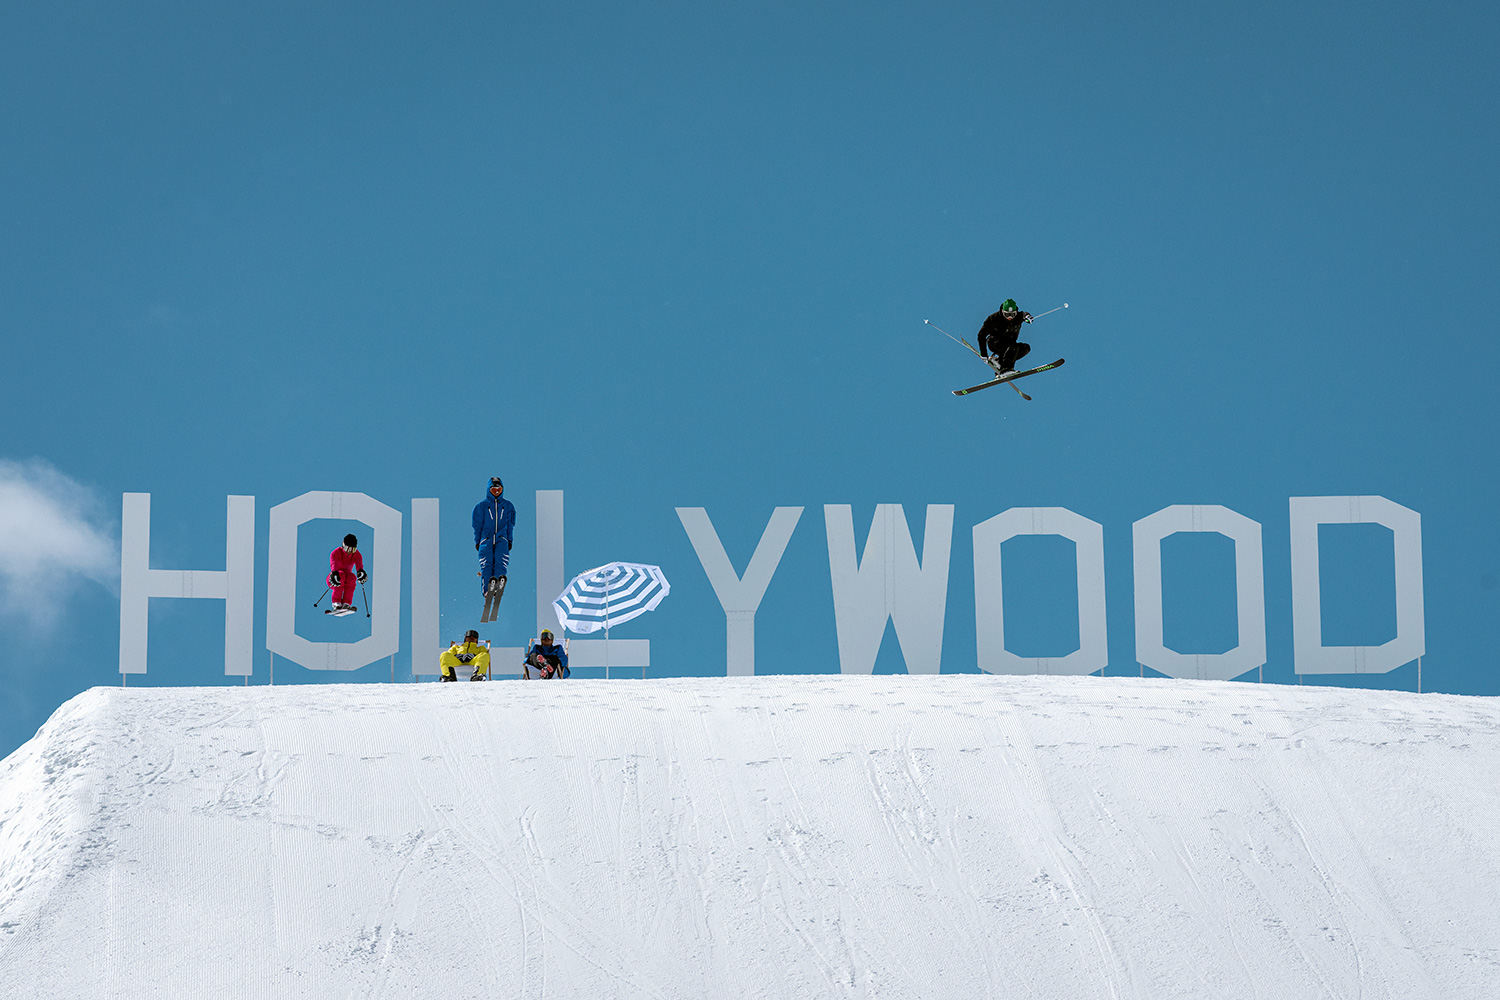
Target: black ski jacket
[[999, 333]]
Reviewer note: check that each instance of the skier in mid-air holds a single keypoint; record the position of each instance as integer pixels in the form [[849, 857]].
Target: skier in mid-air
[[1000, 347], [346, 567], [494, 526], [999, 337]]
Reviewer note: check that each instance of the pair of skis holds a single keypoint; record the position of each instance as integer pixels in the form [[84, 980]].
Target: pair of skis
[[1006, 377], [492, 595], [340, 610], [1010, 377]]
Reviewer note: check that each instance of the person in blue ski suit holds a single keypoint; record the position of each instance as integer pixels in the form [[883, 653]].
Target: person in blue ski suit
[[494, 528]]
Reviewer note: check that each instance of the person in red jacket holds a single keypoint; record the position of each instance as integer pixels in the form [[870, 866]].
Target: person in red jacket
[[346, 567]]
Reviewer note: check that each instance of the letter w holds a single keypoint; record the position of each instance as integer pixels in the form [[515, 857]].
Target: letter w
[[889, 583]]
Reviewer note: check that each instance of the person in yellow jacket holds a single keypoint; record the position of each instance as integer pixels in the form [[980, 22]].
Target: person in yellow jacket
[[469, 653]]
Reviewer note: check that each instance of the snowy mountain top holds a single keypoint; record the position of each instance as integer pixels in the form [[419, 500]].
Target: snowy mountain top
[[766, 837]]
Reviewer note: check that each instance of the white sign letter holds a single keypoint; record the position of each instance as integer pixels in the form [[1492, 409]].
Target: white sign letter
[[1312, 657], [426, 619], [234, 585], [888, 582], [989, 593], [1250, 593], [385, 580], [740, 598], [604, 653]]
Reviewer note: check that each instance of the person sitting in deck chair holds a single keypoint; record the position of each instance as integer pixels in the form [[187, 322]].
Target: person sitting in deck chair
[[548, 658], [470, 652]]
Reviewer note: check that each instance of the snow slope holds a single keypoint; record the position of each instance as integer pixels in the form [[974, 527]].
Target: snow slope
[[935, 837]]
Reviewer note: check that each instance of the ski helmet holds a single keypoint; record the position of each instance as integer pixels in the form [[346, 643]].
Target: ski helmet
[[1009, 306], [495, 481], [351, 541], [546, 633], [471, 634]]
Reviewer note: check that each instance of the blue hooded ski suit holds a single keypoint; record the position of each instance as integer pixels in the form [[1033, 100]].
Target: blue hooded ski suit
[[494, 525]]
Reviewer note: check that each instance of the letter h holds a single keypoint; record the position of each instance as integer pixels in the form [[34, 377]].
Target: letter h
[[234, 584]]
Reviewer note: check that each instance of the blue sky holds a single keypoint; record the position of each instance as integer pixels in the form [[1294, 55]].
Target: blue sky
[[658, 255]]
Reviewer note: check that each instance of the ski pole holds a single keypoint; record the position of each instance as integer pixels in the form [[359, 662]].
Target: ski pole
[[1049, 312], [956, 340], [365, 594], [321, 596]]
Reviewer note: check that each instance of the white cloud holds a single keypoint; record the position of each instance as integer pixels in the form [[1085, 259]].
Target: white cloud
[[54, 536]]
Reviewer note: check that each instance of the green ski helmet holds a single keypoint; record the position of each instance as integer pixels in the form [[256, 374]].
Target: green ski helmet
[[1009, 306]]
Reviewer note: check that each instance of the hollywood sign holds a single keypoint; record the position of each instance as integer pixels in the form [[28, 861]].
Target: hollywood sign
[[887, 582]]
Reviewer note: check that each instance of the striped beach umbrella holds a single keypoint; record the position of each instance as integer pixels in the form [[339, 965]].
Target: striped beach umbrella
[[608, 595]]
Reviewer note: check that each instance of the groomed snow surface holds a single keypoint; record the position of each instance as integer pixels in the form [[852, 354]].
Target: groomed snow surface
[[934, 837]]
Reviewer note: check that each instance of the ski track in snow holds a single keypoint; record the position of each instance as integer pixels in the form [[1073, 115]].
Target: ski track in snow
[[863, 837]]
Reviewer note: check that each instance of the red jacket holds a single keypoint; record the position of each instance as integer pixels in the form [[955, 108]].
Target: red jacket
[[343, 561]]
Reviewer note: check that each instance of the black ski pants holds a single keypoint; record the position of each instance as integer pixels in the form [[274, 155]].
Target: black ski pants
[[1006, 354]]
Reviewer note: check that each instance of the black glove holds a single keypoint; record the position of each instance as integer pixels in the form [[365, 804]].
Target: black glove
[[361, 576], [334, 576], [465, 657]]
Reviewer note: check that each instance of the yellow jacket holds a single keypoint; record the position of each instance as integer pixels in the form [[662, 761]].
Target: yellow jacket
[[473, 656]]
